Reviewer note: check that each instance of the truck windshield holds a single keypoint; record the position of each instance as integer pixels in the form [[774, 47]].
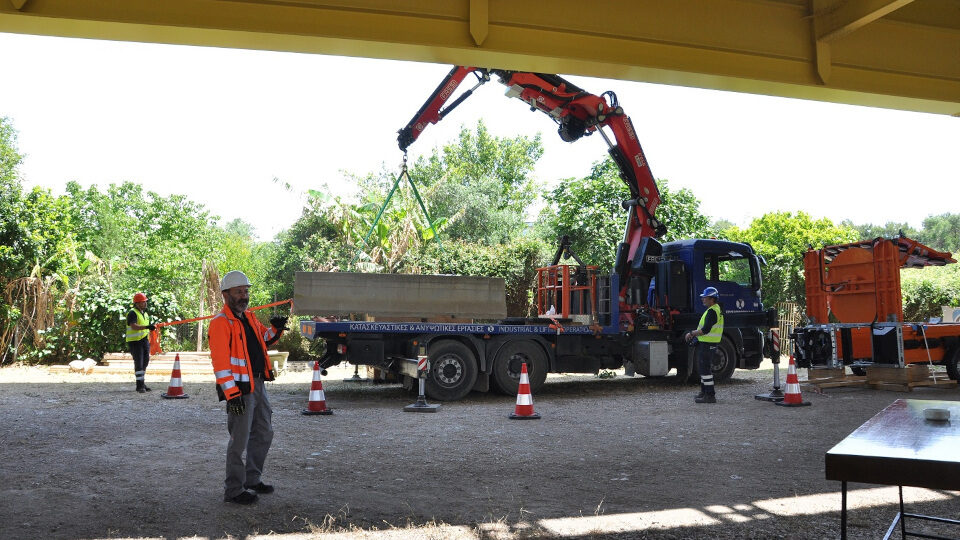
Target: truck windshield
[[731, 266]]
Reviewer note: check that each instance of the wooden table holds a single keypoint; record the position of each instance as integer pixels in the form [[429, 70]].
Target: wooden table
[[898, 447]]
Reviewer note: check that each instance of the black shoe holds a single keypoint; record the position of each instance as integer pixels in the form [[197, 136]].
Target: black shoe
[[698, 396], [245, 497], [707, 398], [145, 387], [261, 488], [140, 389]]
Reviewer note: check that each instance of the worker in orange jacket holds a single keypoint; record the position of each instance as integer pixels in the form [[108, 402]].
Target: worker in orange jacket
[[238, 349]]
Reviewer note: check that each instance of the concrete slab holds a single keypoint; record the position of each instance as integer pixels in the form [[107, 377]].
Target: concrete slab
[[399, 295]]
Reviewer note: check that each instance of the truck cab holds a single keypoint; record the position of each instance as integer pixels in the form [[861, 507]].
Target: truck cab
[[733, 268], [686, 268]]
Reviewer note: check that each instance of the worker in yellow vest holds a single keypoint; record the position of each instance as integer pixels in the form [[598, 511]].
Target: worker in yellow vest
[[707, 335], [138, 339]]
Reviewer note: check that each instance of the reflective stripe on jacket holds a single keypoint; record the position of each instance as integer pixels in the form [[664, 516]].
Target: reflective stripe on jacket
[[716, 331], [228, 352], [137, 335]]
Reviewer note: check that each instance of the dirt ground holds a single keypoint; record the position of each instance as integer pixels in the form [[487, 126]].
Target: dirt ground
[[84, 456]]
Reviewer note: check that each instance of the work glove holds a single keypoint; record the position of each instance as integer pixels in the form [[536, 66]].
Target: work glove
[[236, 406], [280, 323], [151, 327]]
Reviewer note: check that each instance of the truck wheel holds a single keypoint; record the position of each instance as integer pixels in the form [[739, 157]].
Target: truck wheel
[[506, 366], [952, 361], [724, 361], [453, 371]]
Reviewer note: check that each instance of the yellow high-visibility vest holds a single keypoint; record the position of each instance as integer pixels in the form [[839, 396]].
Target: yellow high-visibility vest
[[716, 331], [137, 335]]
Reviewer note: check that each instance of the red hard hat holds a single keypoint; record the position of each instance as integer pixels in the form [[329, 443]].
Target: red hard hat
[[139, 297]]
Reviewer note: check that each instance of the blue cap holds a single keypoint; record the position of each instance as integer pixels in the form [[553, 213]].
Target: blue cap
[[710, 291]]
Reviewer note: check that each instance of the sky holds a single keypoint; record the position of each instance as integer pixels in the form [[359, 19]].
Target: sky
[[220, 125]]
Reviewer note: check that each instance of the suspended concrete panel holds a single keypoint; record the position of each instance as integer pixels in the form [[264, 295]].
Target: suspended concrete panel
[[399, 295], [901, 54]]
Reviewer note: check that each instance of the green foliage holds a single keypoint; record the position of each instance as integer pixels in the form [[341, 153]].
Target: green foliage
[[97, 325], [146, 240], [890, 229], [941, 232], [782, 238], [589, 211], [926, 290], [515, 262], [480, 184]]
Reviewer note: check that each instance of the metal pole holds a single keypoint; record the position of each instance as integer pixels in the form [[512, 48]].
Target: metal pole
[[423, 366]]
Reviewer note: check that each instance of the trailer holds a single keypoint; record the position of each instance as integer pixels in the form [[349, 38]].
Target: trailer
[[855, 309]]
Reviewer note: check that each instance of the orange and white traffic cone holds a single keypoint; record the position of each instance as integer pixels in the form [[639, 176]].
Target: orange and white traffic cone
[[318, 402], [792, 397], [524, 409], [175, 390]]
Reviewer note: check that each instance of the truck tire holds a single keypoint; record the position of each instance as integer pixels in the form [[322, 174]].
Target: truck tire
[[724, 361], [453, 371], [506, 366], [952, 361]]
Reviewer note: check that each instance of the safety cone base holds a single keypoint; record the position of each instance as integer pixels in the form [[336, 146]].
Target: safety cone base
[[169, 396], [515, 416], [773, 395], [785, 404], [308, 412]]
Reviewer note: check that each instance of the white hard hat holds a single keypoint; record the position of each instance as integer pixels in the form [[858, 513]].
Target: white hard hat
[[233, 279]]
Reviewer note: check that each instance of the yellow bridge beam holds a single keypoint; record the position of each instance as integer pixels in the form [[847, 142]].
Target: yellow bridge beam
[[898, 54]]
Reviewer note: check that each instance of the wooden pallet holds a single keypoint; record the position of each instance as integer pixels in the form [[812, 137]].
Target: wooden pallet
[[942, 382], [821, 378], [878, 378]]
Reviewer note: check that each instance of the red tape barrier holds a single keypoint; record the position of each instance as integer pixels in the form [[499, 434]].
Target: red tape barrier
[[155, 336]]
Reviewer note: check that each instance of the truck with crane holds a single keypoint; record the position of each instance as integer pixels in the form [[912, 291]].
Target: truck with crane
[[632, 316]]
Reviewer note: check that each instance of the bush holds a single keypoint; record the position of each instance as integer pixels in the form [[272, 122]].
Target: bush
[[926, 290], [100, 319]]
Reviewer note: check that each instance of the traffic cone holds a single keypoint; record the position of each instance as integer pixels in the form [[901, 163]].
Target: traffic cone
[[524, 409], [318, 402], [792, 397], [175, 390]]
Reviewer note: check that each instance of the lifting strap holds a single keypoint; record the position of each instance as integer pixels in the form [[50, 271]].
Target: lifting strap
[[423, 207]]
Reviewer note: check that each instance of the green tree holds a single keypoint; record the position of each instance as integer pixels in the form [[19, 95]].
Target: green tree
[[479, 183], [782, 238], [589, 211], [890, 229], [145, 239], [941, 232]]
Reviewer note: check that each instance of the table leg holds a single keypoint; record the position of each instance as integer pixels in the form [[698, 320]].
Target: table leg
[[843, 510], [903, 521]]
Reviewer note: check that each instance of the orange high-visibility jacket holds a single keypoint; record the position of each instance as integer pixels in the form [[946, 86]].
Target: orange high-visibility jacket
[[228, 351]]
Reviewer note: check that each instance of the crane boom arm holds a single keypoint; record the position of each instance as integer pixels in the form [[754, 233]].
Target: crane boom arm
[[577, 113]]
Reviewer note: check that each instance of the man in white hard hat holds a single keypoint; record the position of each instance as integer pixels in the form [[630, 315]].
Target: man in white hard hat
[[238, 349], [708, 335]]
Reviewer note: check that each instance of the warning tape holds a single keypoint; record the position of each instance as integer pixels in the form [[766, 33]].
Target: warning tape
[[155, 338]]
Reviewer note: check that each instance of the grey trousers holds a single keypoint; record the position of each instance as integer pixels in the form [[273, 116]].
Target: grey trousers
[[253, 432]]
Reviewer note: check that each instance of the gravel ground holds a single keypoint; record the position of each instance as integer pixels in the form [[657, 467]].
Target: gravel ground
[[87, 457]]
